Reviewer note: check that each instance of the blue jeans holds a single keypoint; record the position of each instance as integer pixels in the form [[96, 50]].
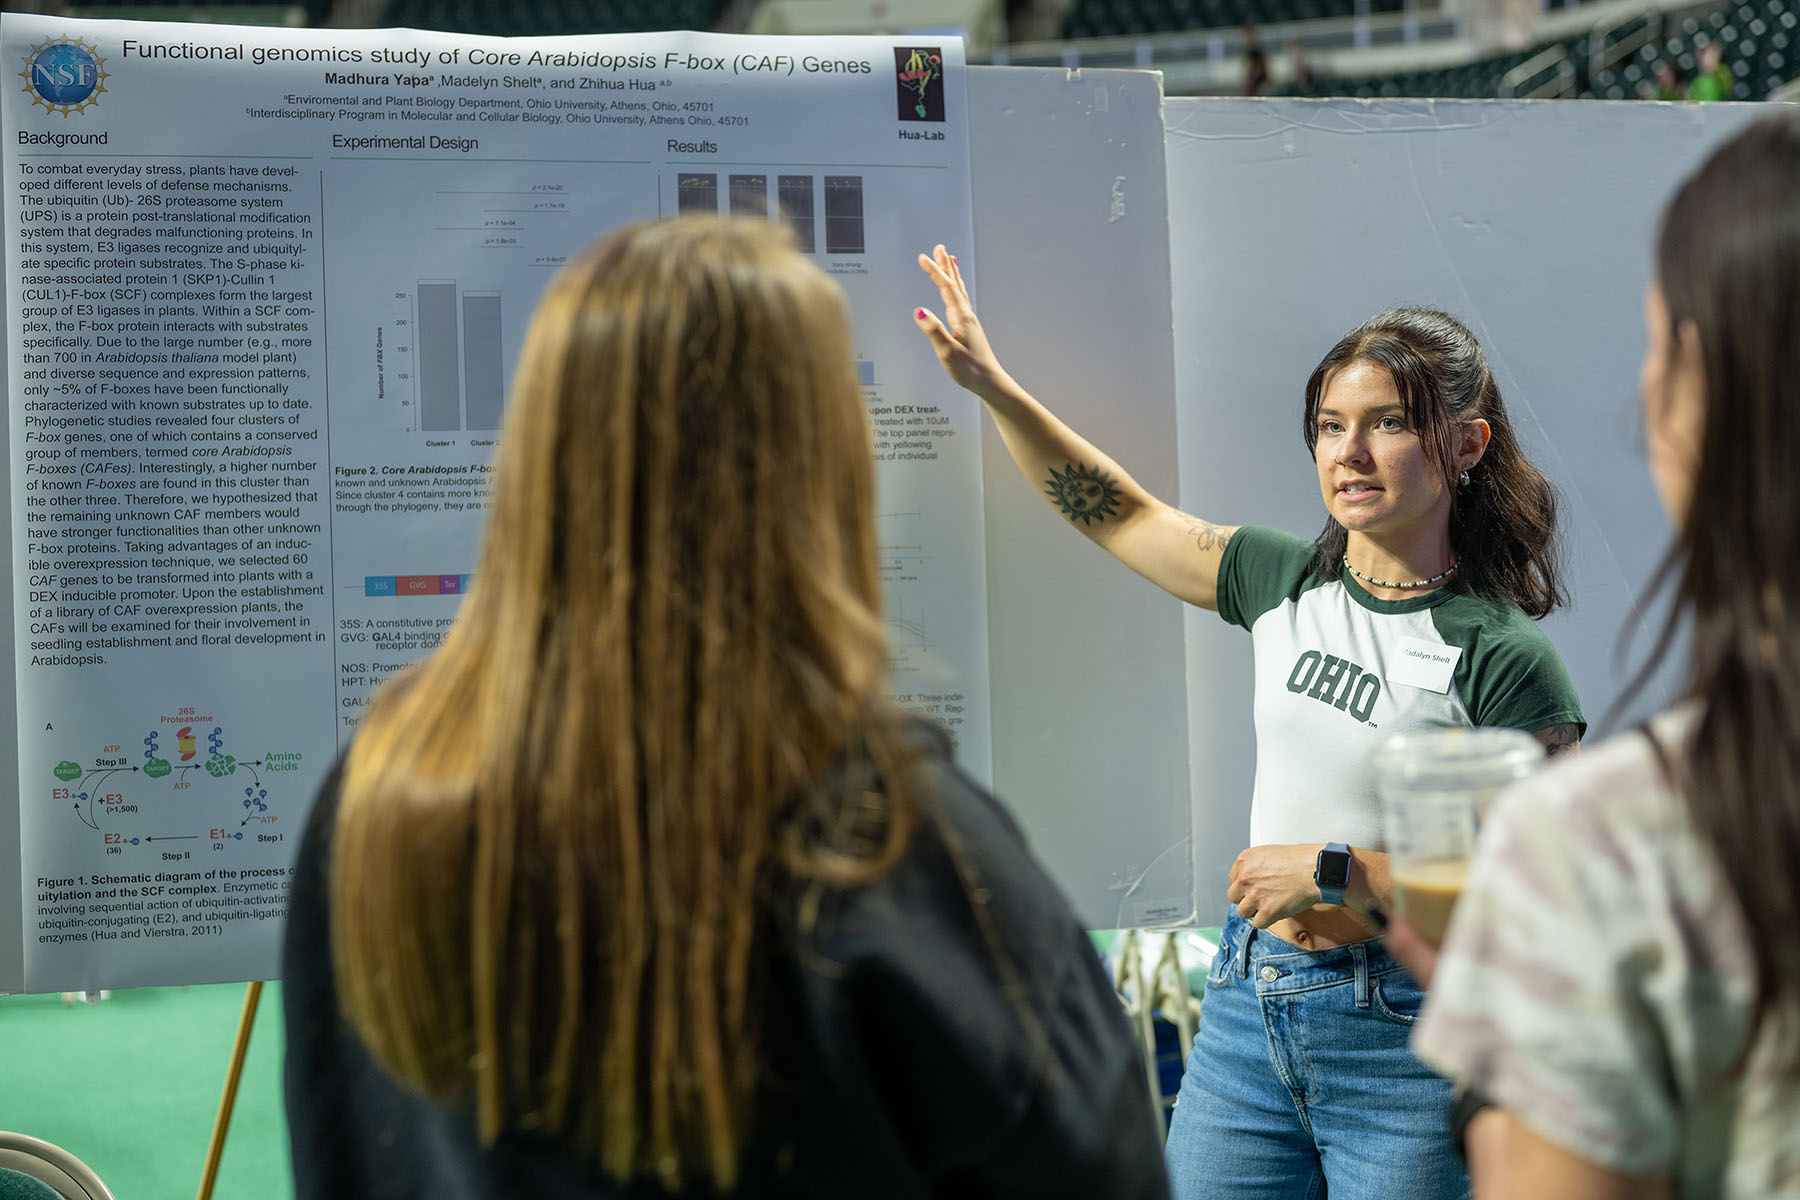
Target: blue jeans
[[1301, 1084]]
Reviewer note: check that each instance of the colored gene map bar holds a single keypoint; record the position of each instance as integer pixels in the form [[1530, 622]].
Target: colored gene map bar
[[415, 585]]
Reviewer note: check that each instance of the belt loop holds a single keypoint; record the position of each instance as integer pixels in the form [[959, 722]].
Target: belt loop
[[1244, 951], [1360, 956]]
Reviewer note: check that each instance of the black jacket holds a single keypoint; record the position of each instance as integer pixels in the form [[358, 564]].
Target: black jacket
[[899, 1067]]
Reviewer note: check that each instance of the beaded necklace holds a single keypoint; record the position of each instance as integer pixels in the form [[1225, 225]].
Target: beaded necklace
[[1415, 583]]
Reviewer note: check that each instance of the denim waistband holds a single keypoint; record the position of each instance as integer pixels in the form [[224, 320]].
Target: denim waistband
[[1277, 965]]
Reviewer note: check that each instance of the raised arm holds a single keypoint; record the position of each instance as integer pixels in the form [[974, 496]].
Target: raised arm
[[1179, 553]]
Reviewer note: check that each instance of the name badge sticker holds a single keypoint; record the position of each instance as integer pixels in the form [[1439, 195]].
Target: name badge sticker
[[1422, 664]]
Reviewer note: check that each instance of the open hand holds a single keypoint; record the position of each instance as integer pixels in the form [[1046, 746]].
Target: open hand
[[958, 338]]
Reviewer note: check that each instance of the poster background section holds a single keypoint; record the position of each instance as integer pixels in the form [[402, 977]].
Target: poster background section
[[12, 913], [1294, 221], [1090, 706]]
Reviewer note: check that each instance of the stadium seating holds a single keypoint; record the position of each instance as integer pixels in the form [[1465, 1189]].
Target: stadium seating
[[1758, 40], [535, 18], [1468, 81], [316, 10], [1124, 18]]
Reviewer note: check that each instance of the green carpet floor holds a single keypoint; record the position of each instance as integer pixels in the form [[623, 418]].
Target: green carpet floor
[[131, 1086]]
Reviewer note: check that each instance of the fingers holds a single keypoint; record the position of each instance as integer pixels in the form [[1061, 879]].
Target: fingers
[[937, 264], [931, 327], [1252, 910], [956, 304], [1249, 904], [941, 267]]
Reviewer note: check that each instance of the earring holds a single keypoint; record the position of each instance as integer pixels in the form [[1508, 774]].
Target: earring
[[1463, 480]]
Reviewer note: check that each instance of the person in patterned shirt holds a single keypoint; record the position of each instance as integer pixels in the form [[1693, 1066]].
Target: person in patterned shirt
[[1619, 992]]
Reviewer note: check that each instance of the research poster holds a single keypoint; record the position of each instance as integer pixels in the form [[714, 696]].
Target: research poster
[[264, 293]]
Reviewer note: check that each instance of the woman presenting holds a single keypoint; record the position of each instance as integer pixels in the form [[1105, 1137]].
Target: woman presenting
[[1413, 609]]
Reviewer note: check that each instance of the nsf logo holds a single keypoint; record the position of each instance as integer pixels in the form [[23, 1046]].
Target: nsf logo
[[64, 75]]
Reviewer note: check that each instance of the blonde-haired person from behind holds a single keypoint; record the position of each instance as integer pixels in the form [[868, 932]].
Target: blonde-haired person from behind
[[1618, 996], [639, 885]]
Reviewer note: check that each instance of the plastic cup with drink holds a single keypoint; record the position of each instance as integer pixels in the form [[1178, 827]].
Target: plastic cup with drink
[[1435, 789]]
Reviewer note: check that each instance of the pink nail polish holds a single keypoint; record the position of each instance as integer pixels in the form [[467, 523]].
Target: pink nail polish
[[919, 314]]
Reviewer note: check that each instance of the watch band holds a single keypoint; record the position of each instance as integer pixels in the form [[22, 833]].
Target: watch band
[[1332, 894]]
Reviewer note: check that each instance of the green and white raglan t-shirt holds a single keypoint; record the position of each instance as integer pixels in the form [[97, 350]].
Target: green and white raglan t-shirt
[[1338, 671]]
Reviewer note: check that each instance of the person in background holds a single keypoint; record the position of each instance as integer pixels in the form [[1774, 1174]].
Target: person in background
[[1712, 78], [1300, 73], [1256, 63], [1618, 997], [1439, 539], [639, 885], [1670, 83]]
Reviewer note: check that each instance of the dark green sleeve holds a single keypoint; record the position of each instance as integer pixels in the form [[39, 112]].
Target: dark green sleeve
[[1514, 677], [1260, 568]]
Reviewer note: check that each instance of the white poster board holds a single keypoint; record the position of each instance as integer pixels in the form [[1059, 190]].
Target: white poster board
[[1090, 704], [256, 364], [1292, 221]]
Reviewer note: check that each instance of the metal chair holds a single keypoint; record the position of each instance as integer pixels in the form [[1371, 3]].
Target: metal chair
[[65, 1175]]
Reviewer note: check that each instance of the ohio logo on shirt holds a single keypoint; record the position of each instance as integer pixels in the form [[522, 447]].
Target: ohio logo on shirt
[[1337, 682], [65, 75], [919, 82]]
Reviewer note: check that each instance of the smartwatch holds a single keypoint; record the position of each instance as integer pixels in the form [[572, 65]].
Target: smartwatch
[[1332, 872]]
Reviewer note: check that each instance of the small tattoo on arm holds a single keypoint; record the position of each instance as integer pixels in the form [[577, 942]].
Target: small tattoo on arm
[[1083, 493], [1559, 739], [1208, 536]]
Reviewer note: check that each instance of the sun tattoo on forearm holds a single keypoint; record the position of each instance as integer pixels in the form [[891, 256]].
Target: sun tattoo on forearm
[[1083, 493]]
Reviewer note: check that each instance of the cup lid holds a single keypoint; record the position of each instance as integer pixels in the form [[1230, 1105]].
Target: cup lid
[[1457, 755]]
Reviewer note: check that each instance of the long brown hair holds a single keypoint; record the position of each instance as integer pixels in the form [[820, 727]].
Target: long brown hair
[[1728, 261], [1503, 521], [556, 830]]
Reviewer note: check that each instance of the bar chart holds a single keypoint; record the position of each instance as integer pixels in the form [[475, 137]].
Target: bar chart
[[461, 378]]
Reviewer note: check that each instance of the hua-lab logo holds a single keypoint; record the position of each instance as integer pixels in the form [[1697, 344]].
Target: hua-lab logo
[[919, 78], [64, 75]]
